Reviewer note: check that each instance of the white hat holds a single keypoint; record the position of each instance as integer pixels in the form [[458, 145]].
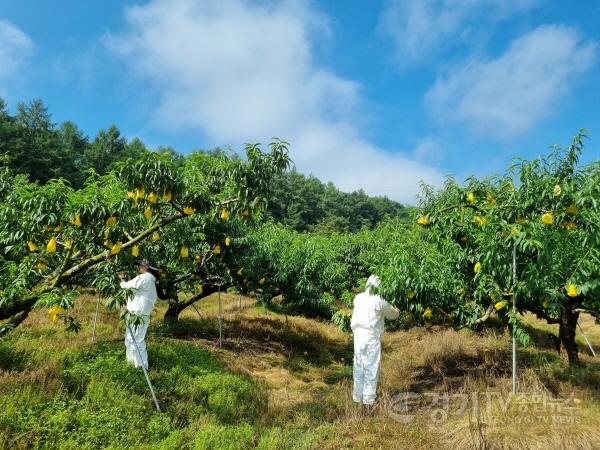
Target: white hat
[[373, 281]]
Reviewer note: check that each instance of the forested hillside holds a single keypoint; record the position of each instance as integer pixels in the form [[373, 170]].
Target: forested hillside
[[45, 150]]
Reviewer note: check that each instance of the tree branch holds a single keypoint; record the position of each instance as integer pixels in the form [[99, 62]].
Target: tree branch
[[14, 321], [92, 261], [486, 316], [587, 311], [482, 319]]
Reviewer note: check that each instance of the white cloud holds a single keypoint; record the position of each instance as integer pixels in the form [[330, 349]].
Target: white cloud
[[428, 150], [337, 152], [245, 71], [508, 95], [15, 47], [421, 28]]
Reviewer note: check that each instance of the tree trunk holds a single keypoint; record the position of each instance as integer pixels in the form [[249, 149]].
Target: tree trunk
[[567, 330], [172, 313], [176, 307]]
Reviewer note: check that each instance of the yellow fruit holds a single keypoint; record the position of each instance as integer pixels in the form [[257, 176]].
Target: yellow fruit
[[54, 312], [470, 197], [262, 281], [130, 194], [411, 294], [69, 243], [217, 250], [41, 265], [423, 220], [184, 252], [240, 271], [46, 227], [572, 290], [547, 218], [199, 288], [76, 221], [58, 228], [135, 251], [116, 248], [148, 213], [139, 193], [481, 220], [572, 209], [557, 190], [155, 237], [427, 312], [108, 243], [514, 230], [32, 246], [500, 305], [491, 199], [245, 213], [224, 214], [51, 247], [188, 210], [570, 224], [477, 267], [167, 196], [227, 241], [111, 221], [545, 305], [152, 197]]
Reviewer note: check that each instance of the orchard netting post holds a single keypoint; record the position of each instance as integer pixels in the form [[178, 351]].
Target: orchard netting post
[[143, 367], [95, 319], [220, 321], [586, 339], [514, 311], [197, 310]]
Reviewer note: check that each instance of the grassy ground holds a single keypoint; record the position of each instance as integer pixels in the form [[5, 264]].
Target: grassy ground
[[282, 382]]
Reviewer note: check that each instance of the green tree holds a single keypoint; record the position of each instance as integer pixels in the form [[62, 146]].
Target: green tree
[[72, 145], [53, 236], [109, 147]]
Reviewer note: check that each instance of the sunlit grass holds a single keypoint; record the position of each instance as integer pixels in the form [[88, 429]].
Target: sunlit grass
[[276, 382]]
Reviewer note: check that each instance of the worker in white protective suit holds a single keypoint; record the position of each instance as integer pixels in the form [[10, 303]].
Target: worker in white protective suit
[[141, 304], [368, 316]]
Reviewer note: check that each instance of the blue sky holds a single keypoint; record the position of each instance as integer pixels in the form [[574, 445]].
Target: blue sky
[[377, 94]]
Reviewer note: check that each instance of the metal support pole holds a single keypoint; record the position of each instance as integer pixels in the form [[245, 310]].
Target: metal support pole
[[586, 340], [514, 311], [220, 321], [199, 315], [95, 319], [144, 368]]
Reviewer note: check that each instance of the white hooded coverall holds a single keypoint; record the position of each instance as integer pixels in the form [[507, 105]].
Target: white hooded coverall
[[367, 325], [142, 303]]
